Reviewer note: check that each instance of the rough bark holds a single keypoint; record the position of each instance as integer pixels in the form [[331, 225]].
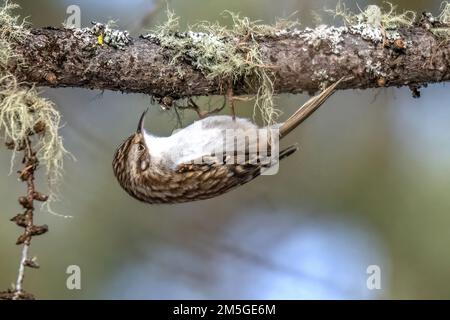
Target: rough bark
[[56, 58]]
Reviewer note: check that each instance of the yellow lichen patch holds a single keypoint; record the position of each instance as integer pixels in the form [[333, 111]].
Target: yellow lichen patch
[[100, 39]]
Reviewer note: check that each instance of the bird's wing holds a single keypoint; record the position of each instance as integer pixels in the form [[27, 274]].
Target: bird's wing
[[212, 177], [239, 153], [218, 176], [225, 164]]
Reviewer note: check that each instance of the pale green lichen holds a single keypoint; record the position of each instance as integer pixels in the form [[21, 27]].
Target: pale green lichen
[[444, 16], [11, 29], [21, 110], [246, 26], [21, 107], [227, 54], [375, 23], [441, 24], [375, 16]]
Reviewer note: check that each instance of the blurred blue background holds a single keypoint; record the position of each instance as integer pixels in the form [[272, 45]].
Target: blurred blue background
[[369, 187]]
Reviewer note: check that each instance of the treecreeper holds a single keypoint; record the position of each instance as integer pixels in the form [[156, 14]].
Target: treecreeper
[[205, 159]]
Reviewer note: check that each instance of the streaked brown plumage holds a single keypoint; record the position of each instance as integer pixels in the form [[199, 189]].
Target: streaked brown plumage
[[154, 177]]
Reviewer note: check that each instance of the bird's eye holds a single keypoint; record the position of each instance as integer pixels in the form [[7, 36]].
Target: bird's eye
[[141, 147]]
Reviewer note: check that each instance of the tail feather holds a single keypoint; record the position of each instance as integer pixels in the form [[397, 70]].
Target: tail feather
[[287, 151], [307, 109]]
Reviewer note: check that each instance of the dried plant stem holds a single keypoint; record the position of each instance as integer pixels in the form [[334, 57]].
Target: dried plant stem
[[25, 219], [21, 274], [28, 217]]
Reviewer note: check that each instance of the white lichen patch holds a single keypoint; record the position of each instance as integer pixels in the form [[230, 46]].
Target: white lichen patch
[[374, 68], [103, 34], [392, 34], [373, 24], [331, 35], [322, 77], [367, 32]]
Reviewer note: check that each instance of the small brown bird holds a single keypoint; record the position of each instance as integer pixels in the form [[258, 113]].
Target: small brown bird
[[205, 159]]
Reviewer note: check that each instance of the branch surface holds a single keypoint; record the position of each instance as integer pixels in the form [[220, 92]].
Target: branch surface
[[302, 61]]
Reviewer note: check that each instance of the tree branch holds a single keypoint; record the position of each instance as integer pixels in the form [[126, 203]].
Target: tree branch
[[301, 60]]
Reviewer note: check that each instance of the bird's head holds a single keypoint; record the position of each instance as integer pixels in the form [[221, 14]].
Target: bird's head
[[132, 157]]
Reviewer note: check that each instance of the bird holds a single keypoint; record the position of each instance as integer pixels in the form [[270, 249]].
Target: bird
[[195, 163]]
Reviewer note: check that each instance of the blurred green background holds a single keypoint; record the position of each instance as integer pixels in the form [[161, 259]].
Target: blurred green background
[[370, 186]]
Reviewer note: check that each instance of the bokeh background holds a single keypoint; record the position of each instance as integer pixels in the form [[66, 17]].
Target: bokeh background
[[370, 186]]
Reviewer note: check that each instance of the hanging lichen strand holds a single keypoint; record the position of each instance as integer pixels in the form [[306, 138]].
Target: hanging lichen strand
[[22, 110], [29, 124]]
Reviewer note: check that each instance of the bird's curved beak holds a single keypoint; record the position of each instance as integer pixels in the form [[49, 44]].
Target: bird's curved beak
[[140, 128]]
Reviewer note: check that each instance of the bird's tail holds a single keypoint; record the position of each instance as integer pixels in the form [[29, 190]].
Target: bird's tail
[[287, 151], [307, 109]]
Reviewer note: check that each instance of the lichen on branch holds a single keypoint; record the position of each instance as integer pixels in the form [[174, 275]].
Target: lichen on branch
[[28, 124], [378, 47], [374, 15], [22, 109], [228, 55]]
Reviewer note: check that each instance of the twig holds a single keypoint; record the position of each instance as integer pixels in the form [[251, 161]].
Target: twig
[[21, 273], [201, 114], [25, 220], [230, 99]]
